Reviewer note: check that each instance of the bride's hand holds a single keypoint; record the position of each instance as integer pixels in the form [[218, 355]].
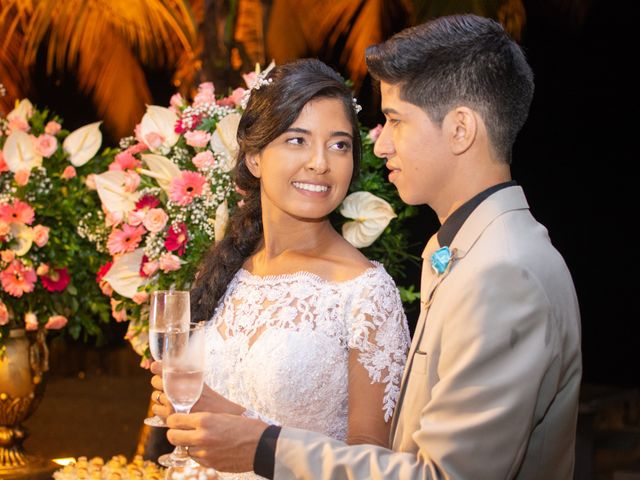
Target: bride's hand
[[209, 401]]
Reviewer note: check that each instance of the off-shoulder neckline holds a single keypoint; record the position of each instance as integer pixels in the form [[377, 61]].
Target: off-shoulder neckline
[[376, 267]]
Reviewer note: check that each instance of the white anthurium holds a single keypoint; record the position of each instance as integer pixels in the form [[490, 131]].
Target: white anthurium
[[370, 215], [110, 187], [157, 128], [20, 152], [22, 238], [23, 110], [221, 221], [224, 143], [82, 144], [160, 168], [124, 275]]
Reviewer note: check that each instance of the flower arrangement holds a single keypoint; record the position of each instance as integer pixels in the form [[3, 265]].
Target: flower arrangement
[[168, 193], [43, 262]]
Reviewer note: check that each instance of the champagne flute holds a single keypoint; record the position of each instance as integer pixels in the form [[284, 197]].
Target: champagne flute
[[182, 378], [158, 324]]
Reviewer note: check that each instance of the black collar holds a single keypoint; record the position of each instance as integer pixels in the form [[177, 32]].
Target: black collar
[[454, 222]]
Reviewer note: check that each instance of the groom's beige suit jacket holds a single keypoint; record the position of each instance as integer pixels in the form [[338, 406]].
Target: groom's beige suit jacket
[[492, 378]]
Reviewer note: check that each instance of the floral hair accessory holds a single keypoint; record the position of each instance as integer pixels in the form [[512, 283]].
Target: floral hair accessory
[[259, 80], [440, 260], [356, 105]]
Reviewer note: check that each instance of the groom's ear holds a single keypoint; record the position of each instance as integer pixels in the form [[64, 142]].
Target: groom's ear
[[253, 164], [461, 126]]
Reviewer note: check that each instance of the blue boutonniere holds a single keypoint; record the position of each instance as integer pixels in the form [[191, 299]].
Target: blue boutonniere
[[440, 260]]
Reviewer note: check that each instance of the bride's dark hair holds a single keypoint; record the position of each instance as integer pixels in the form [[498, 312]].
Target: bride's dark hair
[[270, 112]]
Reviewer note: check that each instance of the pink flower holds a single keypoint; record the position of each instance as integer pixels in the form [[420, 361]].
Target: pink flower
[[90, 182], [16, 279], [4, 314], [56, 280], [131, 181], [4, 229], [204, 159], [113, 219], [155, 220], [154, 140], [177, 238], [250, 78], [105, 288], [206, 94], [126, 161], [118, 312], [7, 256], [69, 172], [19, 212], [149, 268], [186, 187], [3, 165], [125, 240], [52, 127], [42, 269], [136, 217], [137, 148], [169, 262], [140, 297], [56, 322], [46, 145], [234, 99], [18, 123], [22, 176], [375, 132], [177, 101], [197, 138], [40, 235], [30, 321]]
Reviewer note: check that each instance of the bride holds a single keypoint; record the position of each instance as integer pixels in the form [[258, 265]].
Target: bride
[[304, 330]]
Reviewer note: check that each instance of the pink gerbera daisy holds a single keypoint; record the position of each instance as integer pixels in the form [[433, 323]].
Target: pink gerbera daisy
[[186, 187], [19, 212], [125, 240], [16, 279], [177, 238], [56, 280]]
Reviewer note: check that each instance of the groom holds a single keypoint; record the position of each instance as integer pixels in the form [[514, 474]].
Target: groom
[[490, 390]]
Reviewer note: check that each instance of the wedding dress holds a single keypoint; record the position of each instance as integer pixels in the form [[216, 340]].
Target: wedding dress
[[279, 345]]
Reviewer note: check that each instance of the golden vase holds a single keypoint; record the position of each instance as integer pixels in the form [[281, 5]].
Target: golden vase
[[22, 365]]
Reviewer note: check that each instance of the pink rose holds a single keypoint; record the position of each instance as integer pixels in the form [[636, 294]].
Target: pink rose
[[375, 132], [197, 138], [18, 123], [169, 262], [46, 145], [131, 181], [204, 159], [206, 94], [7, 256], [30, 321], [140, 297], [52, 127], [150, 268], [135, 218], [177, 101], [56, 322], [90, 182], [69, 172], [105, 288], [40, 235], [4, 314], [42, 269], [22, 177], [120, 315], [237, 95], [155, 220]]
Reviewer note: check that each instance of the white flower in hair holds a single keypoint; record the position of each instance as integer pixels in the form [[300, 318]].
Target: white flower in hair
[[255, 80]]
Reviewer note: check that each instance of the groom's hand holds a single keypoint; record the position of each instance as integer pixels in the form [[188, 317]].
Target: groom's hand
[[225, 442]]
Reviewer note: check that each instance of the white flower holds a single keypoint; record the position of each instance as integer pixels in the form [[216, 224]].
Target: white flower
[[23, 111], [22, 238], [113, 195], [371, 216], [160, 168], [224, 142], [20, 152], [83, 143], [220, 223], [124, 275], [157, 129]]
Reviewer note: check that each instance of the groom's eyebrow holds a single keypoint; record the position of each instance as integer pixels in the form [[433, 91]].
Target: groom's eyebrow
[[389, 110]]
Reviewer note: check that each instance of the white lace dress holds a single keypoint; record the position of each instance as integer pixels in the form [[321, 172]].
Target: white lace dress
[[279, 345]]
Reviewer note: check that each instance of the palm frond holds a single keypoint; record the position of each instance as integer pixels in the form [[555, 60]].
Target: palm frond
[[13, 75]]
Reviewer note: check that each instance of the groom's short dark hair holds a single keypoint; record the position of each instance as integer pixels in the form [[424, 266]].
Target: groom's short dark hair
[[460, 60]]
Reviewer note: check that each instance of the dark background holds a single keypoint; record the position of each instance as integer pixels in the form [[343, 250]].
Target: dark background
[[573, 159]]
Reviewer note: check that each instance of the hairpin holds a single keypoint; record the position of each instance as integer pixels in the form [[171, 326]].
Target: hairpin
[[356, 105], [256, 82]]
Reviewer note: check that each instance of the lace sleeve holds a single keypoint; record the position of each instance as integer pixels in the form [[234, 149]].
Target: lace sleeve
[[380, 333]]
